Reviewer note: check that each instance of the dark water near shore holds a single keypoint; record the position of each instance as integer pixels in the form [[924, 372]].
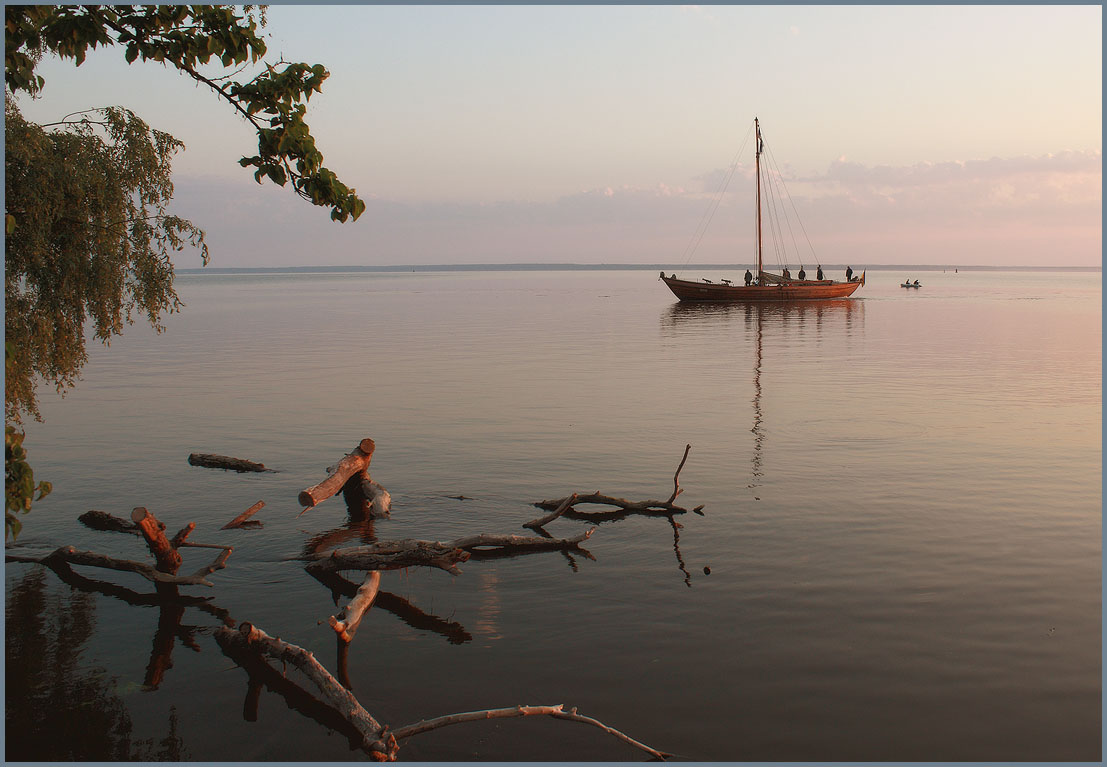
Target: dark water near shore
[[902, 518]]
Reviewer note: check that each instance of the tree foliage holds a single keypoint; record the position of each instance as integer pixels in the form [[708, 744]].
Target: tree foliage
[[186, 37], [92, 241], [88, 235]]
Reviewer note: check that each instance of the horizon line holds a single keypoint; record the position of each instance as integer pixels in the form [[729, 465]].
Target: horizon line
[[569, 266]]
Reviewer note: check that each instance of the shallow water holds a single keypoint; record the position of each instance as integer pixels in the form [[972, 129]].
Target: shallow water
[[902, 516]]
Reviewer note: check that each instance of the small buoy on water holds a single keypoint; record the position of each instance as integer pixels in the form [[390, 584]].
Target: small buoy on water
[[706, 570]]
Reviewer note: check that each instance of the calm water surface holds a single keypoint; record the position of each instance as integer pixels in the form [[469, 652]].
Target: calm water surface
[[902, 518]]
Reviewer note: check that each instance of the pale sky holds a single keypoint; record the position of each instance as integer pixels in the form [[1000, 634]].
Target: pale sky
[[581, 134]]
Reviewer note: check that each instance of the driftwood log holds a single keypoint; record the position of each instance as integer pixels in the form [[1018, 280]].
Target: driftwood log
[[354, 466], [240, 520], [419, 620], [378, 741], [394, 555], [153, 531], [346, 622], [213, 461]]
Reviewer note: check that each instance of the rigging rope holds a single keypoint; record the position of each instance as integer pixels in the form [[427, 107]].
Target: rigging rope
[[713, 205], [799, 220]]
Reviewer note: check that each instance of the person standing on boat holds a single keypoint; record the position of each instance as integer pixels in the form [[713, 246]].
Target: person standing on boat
[[749, 277], [802, 274], [849, 273], [786, 274], [819, 273]]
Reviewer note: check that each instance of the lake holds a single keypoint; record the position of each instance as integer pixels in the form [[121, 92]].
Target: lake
[[899, 555]]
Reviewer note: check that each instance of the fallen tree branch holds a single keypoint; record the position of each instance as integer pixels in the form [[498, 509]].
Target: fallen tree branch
[[241, 518], [557, 712], [561, 508], [676, 484], [608, 500], [564, 505], [376, 741], [345, 624], [356, 464], [72, 556], [213, 461], [70, 576]]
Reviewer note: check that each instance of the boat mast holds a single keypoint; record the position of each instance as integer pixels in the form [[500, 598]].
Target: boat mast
[[757, 162]]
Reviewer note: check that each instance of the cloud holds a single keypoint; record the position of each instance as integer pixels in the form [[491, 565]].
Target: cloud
[[1017, 210]]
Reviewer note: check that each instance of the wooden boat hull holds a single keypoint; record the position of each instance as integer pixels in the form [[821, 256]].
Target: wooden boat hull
[[796, 290]]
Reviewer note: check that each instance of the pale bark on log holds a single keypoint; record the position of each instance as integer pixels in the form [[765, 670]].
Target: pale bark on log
[[377, 742], [354, 464], [101, 520], [345, 624], [378, 499], [557, 712], [92, 559], [237, 521], [213, 461], [366, 499]]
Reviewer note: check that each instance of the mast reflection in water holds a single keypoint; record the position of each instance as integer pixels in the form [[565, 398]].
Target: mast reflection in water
[[783, 326]]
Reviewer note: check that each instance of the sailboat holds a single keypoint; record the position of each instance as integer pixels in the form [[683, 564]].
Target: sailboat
[[765, 286]]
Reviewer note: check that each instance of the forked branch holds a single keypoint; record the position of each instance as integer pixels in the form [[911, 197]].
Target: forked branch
[[561, 506]]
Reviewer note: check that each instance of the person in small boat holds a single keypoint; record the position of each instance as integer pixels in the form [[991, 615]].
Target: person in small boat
[[916, 283], [849, 273], [749, 277], [802, 274], [819, 273]]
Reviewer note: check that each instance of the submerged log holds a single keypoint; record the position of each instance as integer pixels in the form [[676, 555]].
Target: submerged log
[[101, 520], [213, 461], [356, 464]]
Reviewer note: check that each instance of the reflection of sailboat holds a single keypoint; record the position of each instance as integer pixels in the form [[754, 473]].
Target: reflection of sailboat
[[765, 286], [791, 322]]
